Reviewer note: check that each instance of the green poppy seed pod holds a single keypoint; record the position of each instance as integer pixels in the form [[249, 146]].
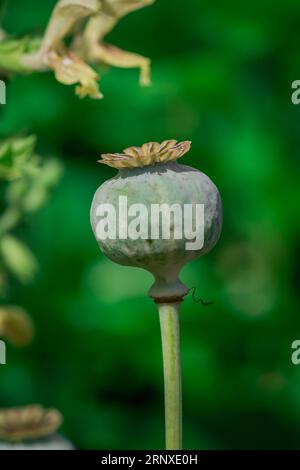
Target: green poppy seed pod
[[156, 214]]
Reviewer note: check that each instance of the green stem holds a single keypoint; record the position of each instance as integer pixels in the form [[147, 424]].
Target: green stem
[[169, 324]]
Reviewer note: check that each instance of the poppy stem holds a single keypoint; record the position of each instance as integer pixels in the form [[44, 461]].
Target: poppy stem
[[169, 325]]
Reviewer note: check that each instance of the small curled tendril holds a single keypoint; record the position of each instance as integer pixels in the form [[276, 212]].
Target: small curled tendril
[[199, 300]]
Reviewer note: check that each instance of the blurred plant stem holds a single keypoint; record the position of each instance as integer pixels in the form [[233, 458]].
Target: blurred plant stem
[[169, 325]]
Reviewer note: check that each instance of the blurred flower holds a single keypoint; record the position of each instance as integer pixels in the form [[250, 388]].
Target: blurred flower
[[69, 69], [88, 21], [31, 427], [65, 16], [101, 24], [123, 7], [15, 325]]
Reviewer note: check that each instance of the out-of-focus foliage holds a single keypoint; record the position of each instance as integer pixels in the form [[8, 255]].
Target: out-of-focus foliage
[[15, 157], [25, 185], [29, 181], [221, 78]]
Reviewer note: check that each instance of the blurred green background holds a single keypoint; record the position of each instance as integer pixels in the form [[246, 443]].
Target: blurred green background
[[222, 77]]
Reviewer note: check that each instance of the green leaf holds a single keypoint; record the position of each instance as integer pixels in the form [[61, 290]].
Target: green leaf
[[16, 325], [15, 154], [6, 155], [18, 258], [31, 191]]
